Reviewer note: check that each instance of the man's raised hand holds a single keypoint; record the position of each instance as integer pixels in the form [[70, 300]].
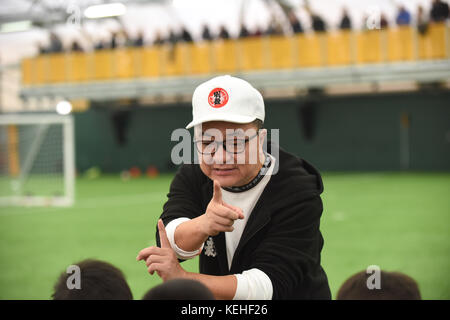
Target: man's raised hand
[[162, 260], [220, 216]]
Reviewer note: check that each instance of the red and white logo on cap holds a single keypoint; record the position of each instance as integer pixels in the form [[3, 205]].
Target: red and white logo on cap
[[218, 97]]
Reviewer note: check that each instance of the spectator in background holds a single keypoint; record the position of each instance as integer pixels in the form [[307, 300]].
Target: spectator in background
[[185, 35], [127, 41], [439, 11], [120, 39], [41, 48], [346, 23], [257, 33], [55, 43], [244, 32], [179, 289], [113, 43], [295, 23], [393, 286], [403, 17], [318, 24], [139, 41], [206, 34], [223, 33], [383, 21], [274, 28], [158, 39], [173, 38], [99, 45], [98, 281], [422, 21], [76, 47]]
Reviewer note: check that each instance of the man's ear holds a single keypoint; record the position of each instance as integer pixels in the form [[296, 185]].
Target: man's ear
[[262, 136]]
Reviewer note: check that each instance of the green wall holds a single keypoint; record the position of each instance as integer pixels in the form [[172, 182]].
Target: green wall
[[147, 138], [334, 133]]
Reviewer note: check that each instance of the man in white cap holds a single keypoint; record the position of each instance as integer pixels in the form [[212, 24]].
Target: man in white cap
[[257, 232]]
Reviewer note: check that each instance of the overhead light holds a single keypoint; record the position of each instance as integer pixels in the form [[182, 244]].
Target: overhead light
[[64, 107], [17, 26], [105, 10]]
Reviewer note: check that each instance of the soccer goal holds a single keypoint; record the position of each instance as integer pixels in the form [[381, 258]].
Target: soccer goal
[[37, 165]]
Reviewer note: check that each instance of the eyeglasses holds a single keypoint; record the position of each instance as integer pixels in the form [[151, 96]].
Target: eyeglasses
[[233, 146]]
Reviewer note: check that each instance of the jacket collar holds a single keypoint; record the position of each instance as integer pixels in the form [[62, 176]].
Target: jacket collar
[[262, 172]]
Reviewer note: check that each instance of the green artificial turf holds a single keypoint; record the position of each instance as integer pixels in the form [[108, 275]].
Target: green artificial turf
[[398, 221]]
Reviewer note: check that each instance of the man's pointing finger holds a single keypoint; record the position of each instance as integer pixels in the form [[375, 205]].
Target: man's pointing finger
[[217, 192]]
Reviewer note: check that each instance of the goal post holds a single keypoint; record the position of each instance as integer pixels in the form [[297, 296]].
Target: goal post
[[37, 160]]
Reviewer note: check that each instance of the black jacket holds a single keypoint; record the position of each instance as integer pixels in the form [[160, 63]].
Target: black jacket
[[282, 236]]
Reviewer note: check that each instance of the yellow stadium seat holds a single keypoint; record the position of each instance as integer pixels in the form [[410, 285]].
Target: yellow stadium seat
[[27, 71], [225, 56], [252, 54], [137, 63], [400, 43], [369, 46], [437, 37], [407, 41], [40, 69], [431, 45], [173, 59], [78, 67], [123, 63], [339, 48], [423, 46], [103, 64], [309, 50], [57, 67], [200, 58], [151, 66], [281, 51]]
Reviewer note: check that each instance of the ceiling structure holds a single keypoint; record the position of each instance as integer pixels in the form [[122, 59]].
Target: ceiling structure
[[54, 14], [46, 13]]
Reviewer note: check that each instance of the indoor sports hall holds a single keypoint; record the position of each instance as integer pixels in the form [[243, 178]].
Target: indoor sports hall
[[92, 91]]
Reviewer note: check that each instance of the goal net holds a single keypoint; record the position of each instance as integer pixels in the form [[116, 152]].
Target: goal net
[[36, 160]]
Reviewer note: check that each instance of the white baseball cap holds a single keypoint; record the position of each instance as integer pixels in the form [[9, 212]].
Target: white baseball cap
[[226, 98]]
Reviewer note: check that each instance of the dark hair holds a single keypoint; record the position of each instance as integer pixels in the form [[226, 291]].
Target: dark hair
[[393, 286], [179, 289], [258, 123], [99, 280]]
